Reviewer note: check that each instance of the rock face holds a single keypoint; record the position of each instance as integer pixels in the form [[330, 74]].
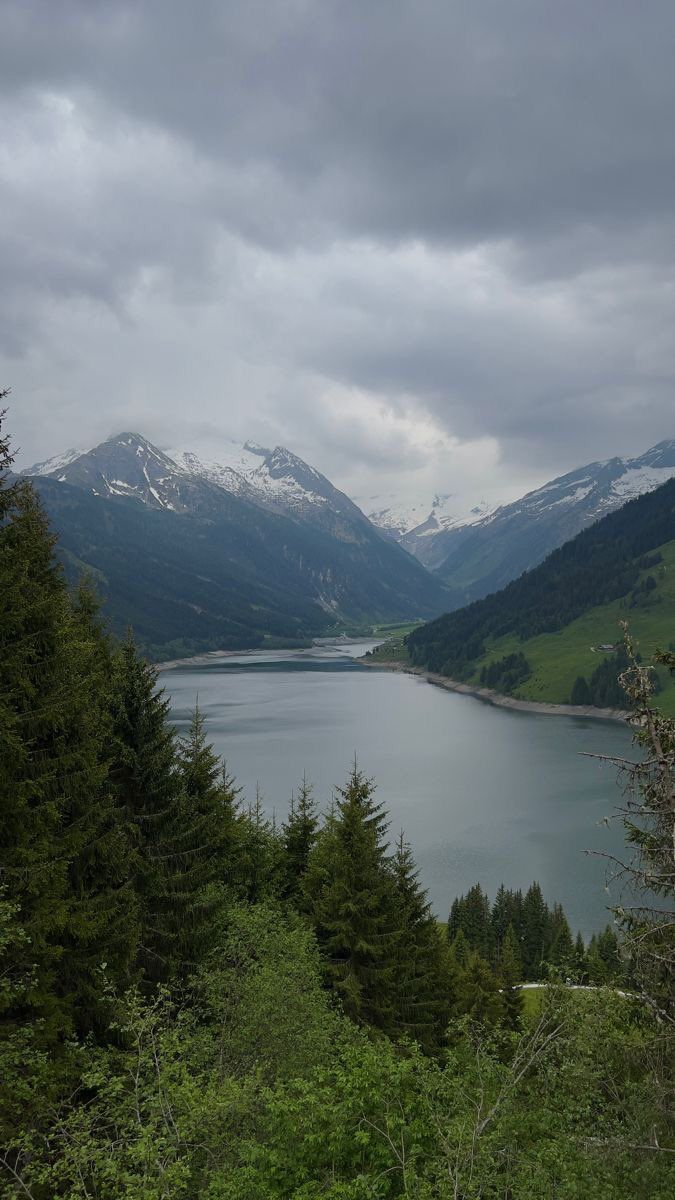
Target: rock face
[[225, 553]]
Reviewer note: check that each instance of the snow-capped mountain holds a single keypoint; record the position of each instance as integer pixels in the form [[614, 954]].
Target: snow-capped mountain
[[126, 465], [277, 480], [595, 489], [516, 537], [258, 544], [51, 466], [444, 511]]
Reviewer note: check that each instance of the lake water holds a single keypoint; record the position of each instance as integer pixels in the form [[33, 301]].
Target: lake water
[[483, 793]]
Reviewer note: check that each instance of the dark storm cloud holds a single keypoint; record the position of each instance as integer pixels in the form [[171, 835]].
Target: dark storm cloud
[[462, 208]]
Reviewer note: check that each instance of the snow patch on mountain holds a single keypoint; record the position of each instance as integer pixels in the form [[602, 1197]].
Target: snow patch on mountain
[[444, 511], [51, 465], [275, 478], [637, 480]]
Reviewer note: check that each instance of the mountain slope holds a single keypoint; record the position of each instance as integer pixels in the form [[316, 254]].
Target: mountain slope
[[184, 560], [620, 567], [478, 552]]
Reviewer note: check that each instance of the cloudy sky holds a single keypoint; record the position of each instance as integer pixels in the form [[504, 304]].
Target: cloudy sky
[[427, 244]]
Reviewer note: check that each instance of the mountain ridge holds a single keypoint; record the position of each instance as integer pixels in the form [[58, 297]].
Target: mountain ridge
[[481, 557], [218, 558]]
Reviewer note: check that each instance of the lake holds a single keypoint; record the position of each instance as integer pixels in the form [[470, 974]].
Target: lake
[[483, 793]]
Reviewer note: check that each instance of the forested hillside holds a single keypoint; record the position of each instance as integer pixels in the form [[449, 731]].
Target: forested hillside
[[196, 1004], [554, 624]]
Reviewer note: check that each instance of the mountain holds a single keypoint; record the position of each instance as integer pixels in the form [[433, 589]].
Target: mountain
[[278, 481], [536, 636], [416, 524], [192, 564], [479, 552]]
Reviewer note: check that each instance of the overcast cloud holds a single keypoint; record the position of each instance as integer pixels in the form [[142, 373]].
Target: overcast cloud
[[426, 244]]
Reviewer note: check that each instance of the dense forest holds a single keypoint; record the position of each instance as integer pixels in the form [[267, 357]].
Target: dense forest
[[195, 1002], [601, 564]]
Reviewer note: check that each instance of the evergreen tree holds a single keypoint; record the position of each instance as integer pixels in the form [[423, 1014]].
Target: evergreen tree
[[478, 993], [455, 919], [536, 932], [422, 975], [604, 958], [209, 812], [150, 793], [261, 855], [460, 949], [471, 914], [299, 837], [102, 910], [353, 910], [61, 858], [500, 916], [510, 975], [580, 960], [581, 693], [562, 952], [506, 910]]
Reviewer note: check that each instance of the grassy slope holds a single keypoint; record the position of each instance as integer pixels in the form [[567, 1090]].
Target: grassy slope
[[557, 658]]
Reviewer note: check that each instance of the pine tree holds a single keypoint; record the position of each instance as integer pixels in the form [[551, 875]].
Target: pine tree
[[261, 854], [299, 835], [423, 985], [581, 693], [500, 916], [562, 951], [57, 838], [455, 919], [536, 932], [102, 924], [472, 915], [506, 910], [208, 798], [604, 959], [580, 959], [510, 975], [150, 794], [460, 949], [353, 909], [478, 993]]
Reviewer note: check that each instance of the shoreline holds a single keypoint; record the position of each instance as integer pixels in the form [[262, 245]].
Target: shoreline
[[210, 656], [488, 696], [200, 660]]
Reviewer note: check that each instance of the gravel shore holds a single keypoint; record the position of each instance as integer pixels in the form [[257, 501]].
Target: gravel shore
[[491, 697]]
